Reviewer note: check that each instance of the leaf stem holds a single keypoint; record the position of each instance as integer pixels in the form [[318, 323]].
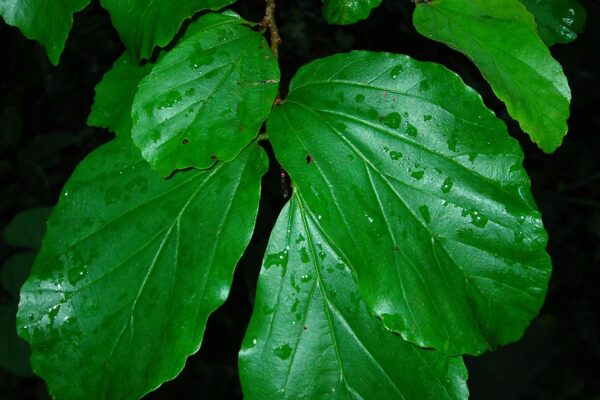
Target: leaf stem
[[270, 22]]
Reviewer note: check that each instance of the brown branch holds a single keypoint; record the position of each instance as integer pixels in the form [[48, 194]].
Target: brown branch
[[269, 22]]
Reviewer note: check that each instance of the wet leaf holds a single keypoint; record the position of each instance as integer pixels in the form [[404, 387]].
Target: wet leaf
[[143, 24], [559, 21], [206, 99], [419, 186], [130, 269], [48, 22], [114, 95], [500, 37], [344, 12], [310, 325]]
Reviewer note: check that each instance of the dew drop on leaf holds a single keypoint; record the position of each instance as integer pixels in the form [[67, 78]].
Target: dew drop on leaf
[[283, 352], [447, 185]]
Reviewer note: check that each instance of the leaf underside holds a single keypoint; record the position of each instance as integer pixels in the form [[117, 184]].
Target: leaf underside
[[500, 37], [310, 325], [419, 187], [131, 268]]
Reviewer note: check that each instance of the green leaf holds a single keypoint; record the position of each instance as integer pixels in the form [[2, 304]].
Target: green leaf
[[14, 352], [500, 37], [144, 24], [310, 325], [114, 95], [48, 22], [423, 192], [130, 269], [27, 228], [207, 98], [344, 12], [559, 21]]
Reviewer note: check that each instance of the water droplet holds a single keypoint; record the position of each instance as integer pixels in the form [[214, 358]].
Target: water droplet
[[425, 213], [170, 100], [395, 155], [418, 175], [372, 113], [304, 255], [447, 185], [276, 259], [452, 142], [359, 98], [411, 130], [283, 352], [254, 342], [76, 274], [394, 72], [477, 219], [423, 86], [519, 237], [305, 278], [392, 120]]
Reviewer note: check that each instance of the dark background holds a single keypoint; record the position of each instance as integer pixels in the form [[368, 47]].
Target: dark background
[[43, 135]]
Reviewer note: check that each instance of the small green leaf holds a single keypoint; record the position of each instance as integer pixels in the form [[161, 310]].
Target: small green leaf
[[14, 352], [144, 24], [207, 98], [27, 228], [421, 189], [500, 37], [48, 22], [114, 95], [130, 269], [311, 325], [344, 12], [559, 21]]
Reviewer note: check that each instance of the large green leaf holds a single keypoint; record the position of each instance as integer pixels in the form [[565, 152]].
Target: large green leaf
[[48, 22], [500, 37], [27, 228], [114, 95], [207, 98], [559, 21], [130, 269], [310, 325], [144, 24], [14, 352], [344, 12], [421, 189]]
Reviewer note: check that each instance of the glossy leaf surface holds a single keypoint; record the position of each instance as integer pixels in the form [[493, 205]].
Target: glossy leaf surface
[[344, 12], [48, 22], [14, 352], [144, 24], [559, 21], [421, 189], [311, 325], [114, 95], [130, 269], [500, 37], [206, 99], [27, 228]]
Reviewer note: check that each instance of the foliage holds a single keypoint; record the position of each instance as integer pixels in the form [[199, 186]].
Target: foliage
[[411, 211]]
